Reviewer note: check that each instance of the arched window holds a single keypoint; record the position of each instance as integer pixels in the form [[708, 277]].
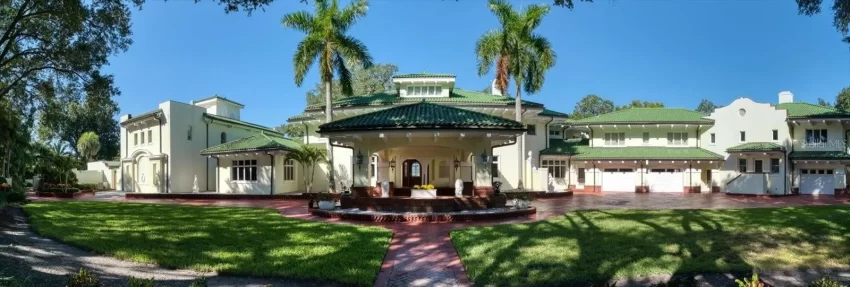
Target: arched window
[[223, 137]]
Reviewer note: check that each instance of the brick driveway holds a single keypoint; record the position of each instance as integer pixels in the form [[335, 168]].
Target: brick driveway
[[421, 254]]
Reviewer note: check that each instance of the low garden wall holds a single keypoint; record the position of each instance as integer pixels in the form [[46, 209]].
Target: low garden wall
[[70, 193]]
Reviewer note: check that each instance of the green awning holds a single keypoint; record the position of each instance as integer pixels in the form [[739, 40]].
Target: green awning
[[756, 147]]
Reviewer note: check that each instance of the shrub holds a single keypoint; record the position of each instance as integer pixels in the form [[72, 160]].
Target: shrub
[[521, 195], [86, 186], [141, 282], [750, 282], [83, 279], [61, 190], [27, 184], [826, 282], [199, 282], [324, 196], [678, 281], [16, 197], [3, 180], [10, 282]]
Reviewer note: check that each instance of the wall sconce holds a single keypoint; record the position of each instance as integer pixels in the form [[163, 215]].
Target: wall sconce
[[484, 157], [359, 158], [392, 163], [457, 163]]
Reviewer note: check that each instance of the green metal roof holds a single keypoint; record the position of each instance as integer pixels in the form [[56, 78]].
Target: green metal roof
[[819, 155], [220, 98], [807, 110], [424, 75], [422, 115], [241, 123], [565, 147], [647, 115], [756, 146], [646, 153], [457, 96], [260, 142], [551, 113]]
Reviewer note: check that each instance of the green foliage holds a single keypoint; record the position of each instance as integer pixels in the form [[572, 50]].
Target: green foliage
[[706, 107], [53, 165], [640, 104], [825, 103], [323, 196], [364, 82], [140, 282], [826, 282], [199, 282], [3, 180], [678, 281], [84, 278], [61, 190], [308, 156], [291, 130], [88, 145], [16, 197], [87, 186], [520, 195], [840, 9], [569, 4], [750, 282], [842, 100], [234, 241], [10, 281], [591, 105]]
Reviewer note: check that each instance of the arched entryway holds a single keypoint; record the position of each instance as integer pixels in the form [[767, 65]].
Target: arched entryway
[[411, 173]]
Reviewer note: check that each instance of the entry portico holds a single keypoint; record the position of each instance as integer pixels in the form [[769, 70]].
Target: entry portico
[[422, 143]]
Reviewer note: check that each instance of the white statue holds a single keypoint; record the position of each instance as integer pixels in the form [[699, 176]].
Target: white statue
[[385, 189], [458, 188], [195, 185]]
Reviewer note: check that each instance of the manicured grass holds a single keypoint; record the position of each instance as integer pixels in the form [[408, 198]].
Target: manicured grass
[[595, 246], [237, 241]]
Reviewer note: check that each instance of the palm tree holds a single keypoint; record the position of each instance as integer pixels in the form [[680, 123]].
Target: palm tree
[[308, 156], [327, 42], [517, 52], [88, 145]]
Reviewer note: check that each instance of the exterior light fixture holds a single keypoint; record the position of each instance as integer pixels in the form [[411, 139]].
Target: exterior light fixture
[[484, 157], [392, 163], [457, 163], [359, 159]]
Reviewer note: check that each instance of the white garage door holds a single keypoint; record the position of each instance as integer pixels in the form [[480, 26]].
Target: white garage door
[[666, 180], [817, 181], [618, 179]]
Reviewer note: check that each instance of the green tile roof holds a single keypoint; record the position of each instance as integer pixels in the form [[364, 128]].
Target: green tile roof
[[756, 146], [220, 98], [259, 142], [241, 123], [457, 96], [816, 155], [299, 117], [807, 110], [647, 115], [646, 153], [422, 115], [142, 116], [551, 113], [424, 75], [565, 147]]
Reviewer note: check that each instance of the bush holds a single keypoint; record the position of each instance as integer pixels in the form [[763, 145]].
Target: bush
[[750, 282], [826, 282], [61, 190], [521, 195], [323, 196], [3, 180], [86, 186], [678, 281], [199, 282], [27, 184], [10, 282], [16, 197], [83, 279], [140, 282]]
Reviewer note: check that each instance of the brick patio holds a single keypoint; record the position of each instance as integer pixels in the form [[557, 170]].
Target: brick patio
[[422, 254]]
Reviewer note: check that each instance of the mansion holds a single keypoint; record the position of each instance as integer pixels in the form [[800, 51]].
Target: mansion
[[427, 131]]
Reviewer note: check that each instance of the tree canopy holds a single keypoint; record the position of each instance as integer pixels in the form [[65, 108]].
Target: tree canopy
[[591, 105], [706, 107], [88, 145], [640, 104], [840, 13], [842, 100], [364, 81], [824, 103]]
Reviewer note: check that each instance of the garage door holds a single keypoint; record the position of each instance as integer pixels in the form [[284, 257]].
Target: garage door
[[618, 179], [666, 180], [817, 181]]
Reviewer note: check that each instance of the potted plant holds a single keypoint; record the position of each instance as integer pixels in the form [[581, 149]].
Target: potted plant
[[521, 199], [326, 200], [423, 191]]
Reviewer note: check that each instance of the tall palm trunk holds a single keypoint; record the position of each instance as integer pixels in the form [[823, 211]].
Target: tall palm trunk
[[329, 117], [521, 139]]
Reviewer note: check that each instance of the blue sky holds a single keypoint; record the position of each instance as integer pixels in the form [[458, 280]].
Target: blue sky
[[677, 52]]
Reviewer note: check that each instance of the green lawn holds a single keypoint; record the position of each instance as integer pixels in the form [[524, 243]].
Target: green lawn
[[595, 246], [237, 241]]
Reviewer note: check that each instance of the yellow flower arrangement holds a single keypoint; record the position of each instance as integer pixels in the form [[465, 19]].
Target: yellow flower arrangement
[[424, 186], [417, 186]]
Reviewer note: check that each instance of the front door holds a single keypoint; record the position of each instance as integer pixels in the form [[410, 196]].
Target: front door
[[411, 173]]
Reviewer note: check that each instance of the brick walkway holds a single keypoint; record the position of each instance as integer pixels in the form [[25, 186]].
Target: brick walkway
[[422, 254]]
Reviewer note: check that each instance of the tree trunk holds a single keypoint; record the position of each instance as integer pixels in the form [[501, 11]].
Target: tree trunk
[[329, 117], [521, 139]]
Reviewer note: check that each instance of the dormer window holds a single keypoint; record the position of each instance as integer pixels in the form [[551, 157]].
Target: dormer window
[[424, 91]]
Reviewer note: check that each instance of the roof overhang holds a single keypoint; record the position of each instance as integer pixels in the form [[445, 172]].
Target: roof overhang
[[247, 152], [155, 115]]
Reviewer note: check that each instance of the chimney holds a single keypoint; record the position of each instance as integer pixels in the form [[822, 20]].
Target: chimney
[[495, 89], [786, 97]]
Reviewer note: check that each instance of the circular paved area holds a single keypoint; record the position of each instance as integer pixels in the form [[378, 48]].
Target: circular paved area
[[421, 254]]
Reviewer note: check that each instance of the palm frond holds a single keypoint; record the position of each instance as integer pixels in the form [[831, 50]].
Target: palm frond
[[344, 75], [350, 14], [503, 10], [487, 50], [301, 21], [305, 55], [354, 50], [322, 6], [532, 16]]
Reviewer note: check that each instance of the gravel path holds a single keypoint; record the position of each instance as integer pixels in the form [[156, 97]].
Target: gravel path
[[43, 262]]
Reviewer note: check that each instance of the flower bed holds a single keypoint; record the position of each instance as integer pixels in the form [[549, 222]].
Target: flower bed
[[67, 193]]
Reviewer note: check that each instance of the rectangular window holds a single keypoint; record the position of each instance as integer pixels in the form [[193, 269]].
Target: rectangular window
[[556, 168], [816, 136], [244, 170], [494, 166], [581, 175], [532, 129], [409, 91], [713, 139], [439, 90], [615, 138], [759, 166], [189, 136], [743, 137], [646, 138], [776, 135], [555, 133], [742, 165], [143, 137], [289, 170], [677, 138], [774, 165], [432, 90], [150, 136], [135, 139], [708, 175]]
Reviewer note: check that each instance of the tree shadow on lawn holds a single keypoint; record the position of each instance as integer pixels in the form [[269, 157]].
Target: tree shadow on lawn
[[235, 241], [590, 247]]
